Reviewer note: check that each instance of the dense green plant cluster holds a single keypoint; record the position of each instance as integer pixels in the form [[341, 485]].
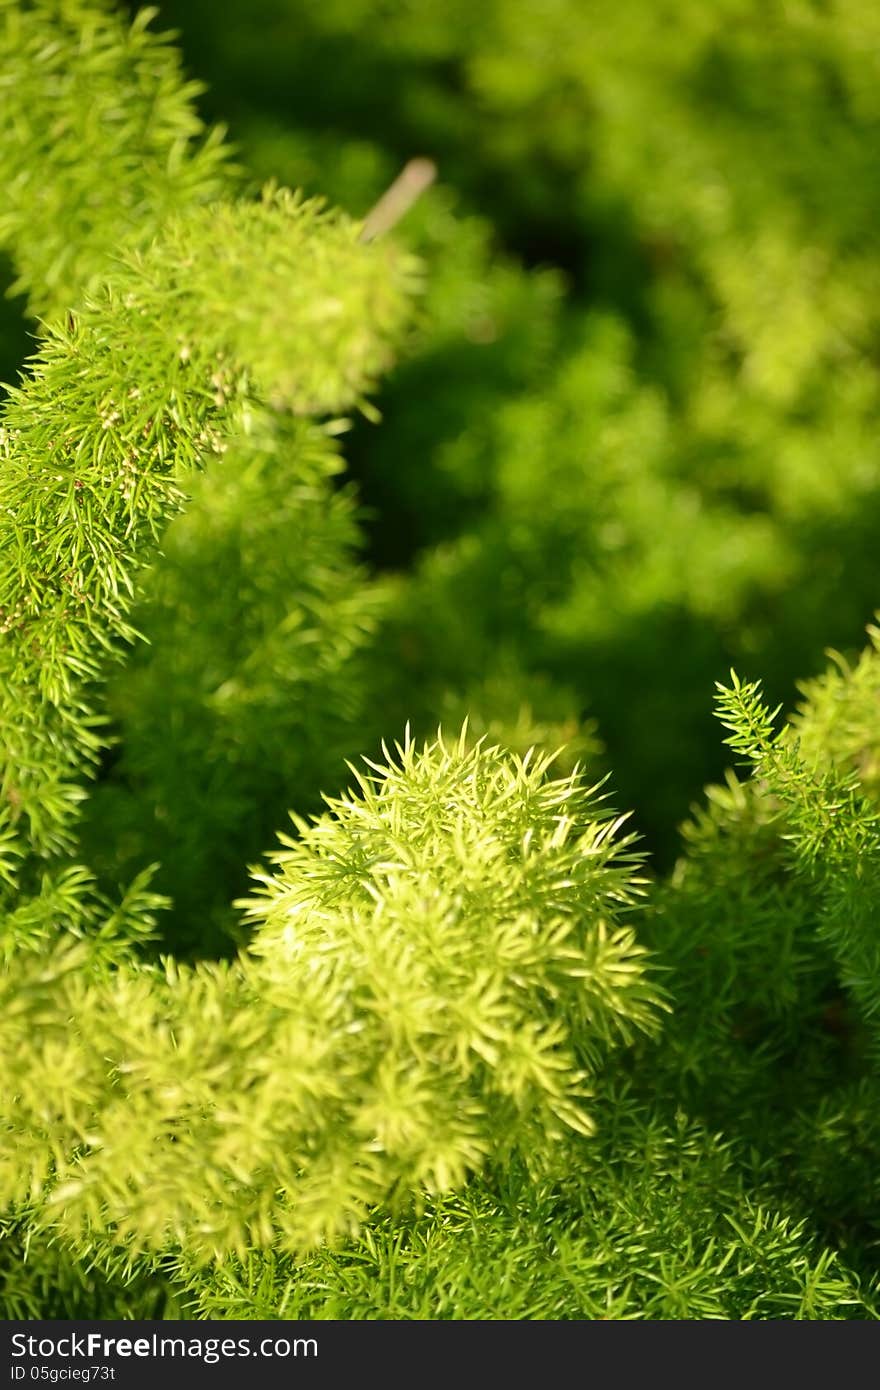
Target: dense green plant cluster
[[690, 433], [97, 443], [432, 980], [75, 78], [247, 697], [462, 1045]]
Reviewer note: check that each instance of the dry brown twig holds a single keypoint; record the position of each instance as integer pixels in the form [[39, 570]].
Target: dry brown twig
[[396, 201]]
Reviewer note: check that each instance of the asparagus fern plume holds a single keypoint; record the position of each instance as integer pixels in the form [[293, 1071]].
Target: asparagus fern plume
[[471, 904], [74, 77], [155, 374], [251, 688], [834, 830], [438, 1036], [438, 970]]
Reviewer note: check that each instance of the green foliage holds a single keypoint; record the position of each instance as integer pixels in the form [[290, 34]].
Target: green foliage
[[438, 972], [75, 78], [657, 1226], [245, 699], [706, 169], [834, 830], [703, 403], [432, 847], [460, 1047], [39, 1278], [98, 442], [837, 720]]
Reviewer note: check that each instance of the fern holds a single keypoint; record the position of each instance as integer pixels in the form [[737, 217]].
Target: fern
[[98, 444], [456, 1046], [438, 971]]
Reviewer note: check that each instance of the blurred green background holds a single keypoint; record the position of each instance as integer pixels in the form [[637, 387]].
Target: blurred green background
[[633, 439]]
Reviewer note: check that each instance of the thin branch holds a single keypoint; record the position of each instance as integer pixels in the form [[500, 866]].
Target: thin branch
[[397, 200]]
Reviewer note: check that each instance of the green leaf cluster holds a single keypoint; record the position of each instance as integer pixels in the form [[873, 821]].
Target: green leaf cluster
[[99, 440], [702, 403], [457, 1046]]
